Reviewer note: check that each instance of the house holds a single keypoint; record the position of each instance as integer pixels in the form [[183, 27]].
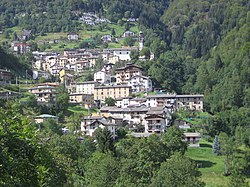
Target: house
[[44, 93], [5, 76], [44, 117], [66, 76], [134, 116], [123, 75], [128, 34], [86, 87], [157, 120], [140, 83], [189, 102], [181, 124], [107, 38], [20, 47], [168, 100], [86, 100], [176, 102], [102, 77], [113, 91], [73, 36], [26, 35], [123, 102], [192, 138], [90, 123], [121, 53]]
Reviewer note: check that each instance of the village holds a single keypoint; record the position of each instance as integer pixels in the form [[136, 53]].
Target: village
[[136, 102]]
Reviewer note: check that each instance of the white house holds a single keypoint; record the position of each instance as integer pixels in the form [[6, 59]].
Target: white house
[[157, 119], [73, 36], [107, 38], [91, 123], [102, 77], [128, 34], [140, 83]]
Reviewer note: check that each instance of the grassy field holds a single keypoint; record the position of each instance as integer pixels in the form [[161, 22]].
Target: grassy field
[[80, 109], [212, 166], [84, 34]]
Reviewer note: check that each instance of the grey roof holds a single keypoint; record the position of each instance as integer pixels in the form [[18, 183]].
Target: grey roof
[[116, 117], [192, 134], [46, 116], [88, 82], [184, 96], [126, 110], [140, 135], [92, 117], [162, 96], [113, 86], [138, 99]]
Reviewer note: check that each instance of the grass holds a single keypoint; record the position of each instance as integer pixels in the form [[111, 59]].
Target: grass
[[212, 166], [80, 109], [84, 34]]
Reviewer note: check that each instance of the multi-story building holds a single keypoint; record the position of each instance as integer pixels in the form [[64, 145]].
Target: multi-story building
[[102, 77], [123, 75], [5, 76], [86, 87], [140, 83], [133, 116], [45, 93], [91, 123], [157, 119], [189, 102], [113, 91], [176, 102], [121, 53], [86, 100]]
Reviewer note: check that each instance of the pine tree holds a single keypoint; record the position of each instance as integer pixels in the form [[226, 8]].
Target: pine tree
[[216, 146]]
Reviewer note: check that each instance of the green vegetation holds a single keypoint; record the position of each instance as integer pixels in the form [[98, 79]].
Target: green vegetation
[[212, 166], [80, 109]]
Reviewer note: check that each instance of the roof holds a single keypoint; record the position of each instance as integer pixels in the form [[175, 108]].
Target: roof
[[93, 117], [192, 134], [138, 99], [116, 117], [88, 82], [128, 66], [184, 96], [162, 96], [113, 86], [144, 77], [46, 116], [140, 135]]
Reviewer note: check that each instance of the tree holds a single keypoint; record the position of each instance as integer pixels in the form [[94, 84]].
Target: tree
[[62, 100], [134, 55], [216, 146], [113, 33], [105, 141], [128, 41], [178, 171], [238, 178], [145, 52], [227, 149], [101, 170], [173, 140], [109, 101]]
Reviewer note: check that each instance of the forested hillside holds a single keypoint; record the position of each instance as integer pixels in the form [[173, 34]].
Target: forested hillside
[[200, 46]]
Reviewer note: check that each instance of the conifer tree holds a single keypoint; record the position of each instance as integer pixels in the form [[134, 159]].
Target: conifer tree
[[216, 146]]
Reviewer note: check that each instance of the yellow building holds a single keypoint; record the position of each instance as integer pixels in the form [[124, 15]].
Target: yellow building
[[113, 91]]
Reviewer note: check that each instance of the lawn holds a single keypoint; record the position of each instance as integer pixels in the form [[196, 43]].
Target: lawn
[[80, 109], [212, 166]]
